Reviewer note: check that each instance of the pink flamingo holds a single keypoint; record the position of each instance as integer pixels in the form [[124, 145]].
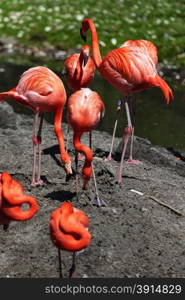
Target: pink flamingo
[[41, 90], [79, 70], [12, 198], [69, 231], [85, 109], [130, 68]]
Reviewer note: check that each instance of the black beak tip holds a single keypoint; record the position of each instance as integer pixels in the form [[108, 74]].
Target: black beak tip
[[85, 60], [83, 36]]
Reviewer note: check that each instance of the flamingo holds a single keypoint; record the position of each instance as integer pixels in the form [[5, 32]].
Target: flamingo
[[130, 68], [12, 198], [41, 90], [79, 70], [84, 110], [69, 231]]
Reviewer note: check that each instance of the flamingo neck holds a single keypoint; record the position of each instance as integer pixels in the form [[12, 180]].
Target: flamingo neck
[[65, 158], [87, 168], [79, 68], [89, 24], [13, 198]]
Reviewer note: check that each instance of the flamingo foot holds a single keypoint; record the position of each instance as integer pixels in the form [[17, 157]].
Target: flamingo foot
[[72, 273], [81, 157], [98, 202], [133, 161], [108, 158], [37, 183]]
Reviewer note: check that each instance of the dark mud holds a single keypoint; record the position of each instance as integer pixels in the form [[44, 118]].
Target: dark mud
[[133, 236]]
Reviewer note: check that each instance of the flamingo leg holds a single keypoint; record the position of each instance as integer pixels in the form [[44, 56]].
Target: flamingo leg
[[5, 227], [76, 173], [60, 263], [130, 160], [97, 200], [119, 104], [34, 140], [126, 136], [39, 139], [73, 267]]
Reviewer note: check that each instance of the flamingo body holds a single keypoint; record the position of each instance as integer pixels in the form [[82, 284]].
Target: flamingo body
[[84, 111], [42, 88], [11, 199], [79, 72], [132, 69], [69, 228]]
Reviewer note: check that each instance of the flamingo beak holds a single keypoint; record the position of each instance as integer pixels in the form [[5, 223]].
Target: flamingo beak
[[68, 168], [83, 35], [85, 60]]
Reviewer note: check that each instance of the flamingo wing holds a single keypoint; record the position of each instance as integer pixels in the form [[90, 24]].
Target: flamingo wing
[[144, 45]]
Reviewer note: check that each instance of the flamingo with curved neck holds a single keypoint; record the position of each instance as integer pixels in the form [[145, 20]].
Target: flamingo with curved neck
[[69, 230], [130, 68], [12, 198], [85, 108]]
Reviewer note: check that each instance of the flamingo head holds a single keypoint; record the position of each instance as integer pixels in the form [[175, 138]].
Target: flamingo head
[[84, 28]]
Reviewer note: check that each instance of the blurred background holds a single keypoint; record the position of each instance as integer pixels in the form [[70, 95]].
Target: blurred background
[[44, 32]]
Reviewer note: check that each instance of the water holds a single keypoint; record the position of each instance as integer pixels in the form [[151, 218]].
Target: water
[[162, 124]]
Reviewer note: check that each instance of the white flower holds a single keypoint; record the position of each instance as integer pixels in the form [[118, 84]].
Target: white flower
[[79, 17], [166, 22], [47, 28], [102, 43], [158, 21], [113, 41], [57, 8], [6, 19], [20, 34], [42, 8]]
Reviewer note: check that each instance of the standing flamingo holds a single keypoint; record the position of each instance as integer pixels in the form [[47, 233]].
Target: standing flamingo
[[12, 198], [130, 68], [69, 231], [85, 108], [79, 70], [41, 90]]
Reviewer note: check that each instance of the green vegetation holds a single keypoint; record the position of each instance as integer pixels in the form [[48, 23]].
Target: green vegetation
[[57, 22]]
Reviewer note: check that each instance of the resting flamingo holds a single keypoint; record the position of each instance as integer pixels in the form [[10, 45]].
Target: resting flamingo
[[69, 231], [41, 90], [79, 70], [12, 198], [130, 68], [84, 110]]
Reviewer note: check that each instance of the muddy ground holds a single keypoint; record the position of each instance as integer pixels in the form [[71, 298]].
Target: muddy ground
[[133, 236]]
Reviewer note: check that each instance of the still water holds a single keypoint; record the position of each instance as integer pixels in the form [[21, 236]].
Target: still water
[[162, 124]]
